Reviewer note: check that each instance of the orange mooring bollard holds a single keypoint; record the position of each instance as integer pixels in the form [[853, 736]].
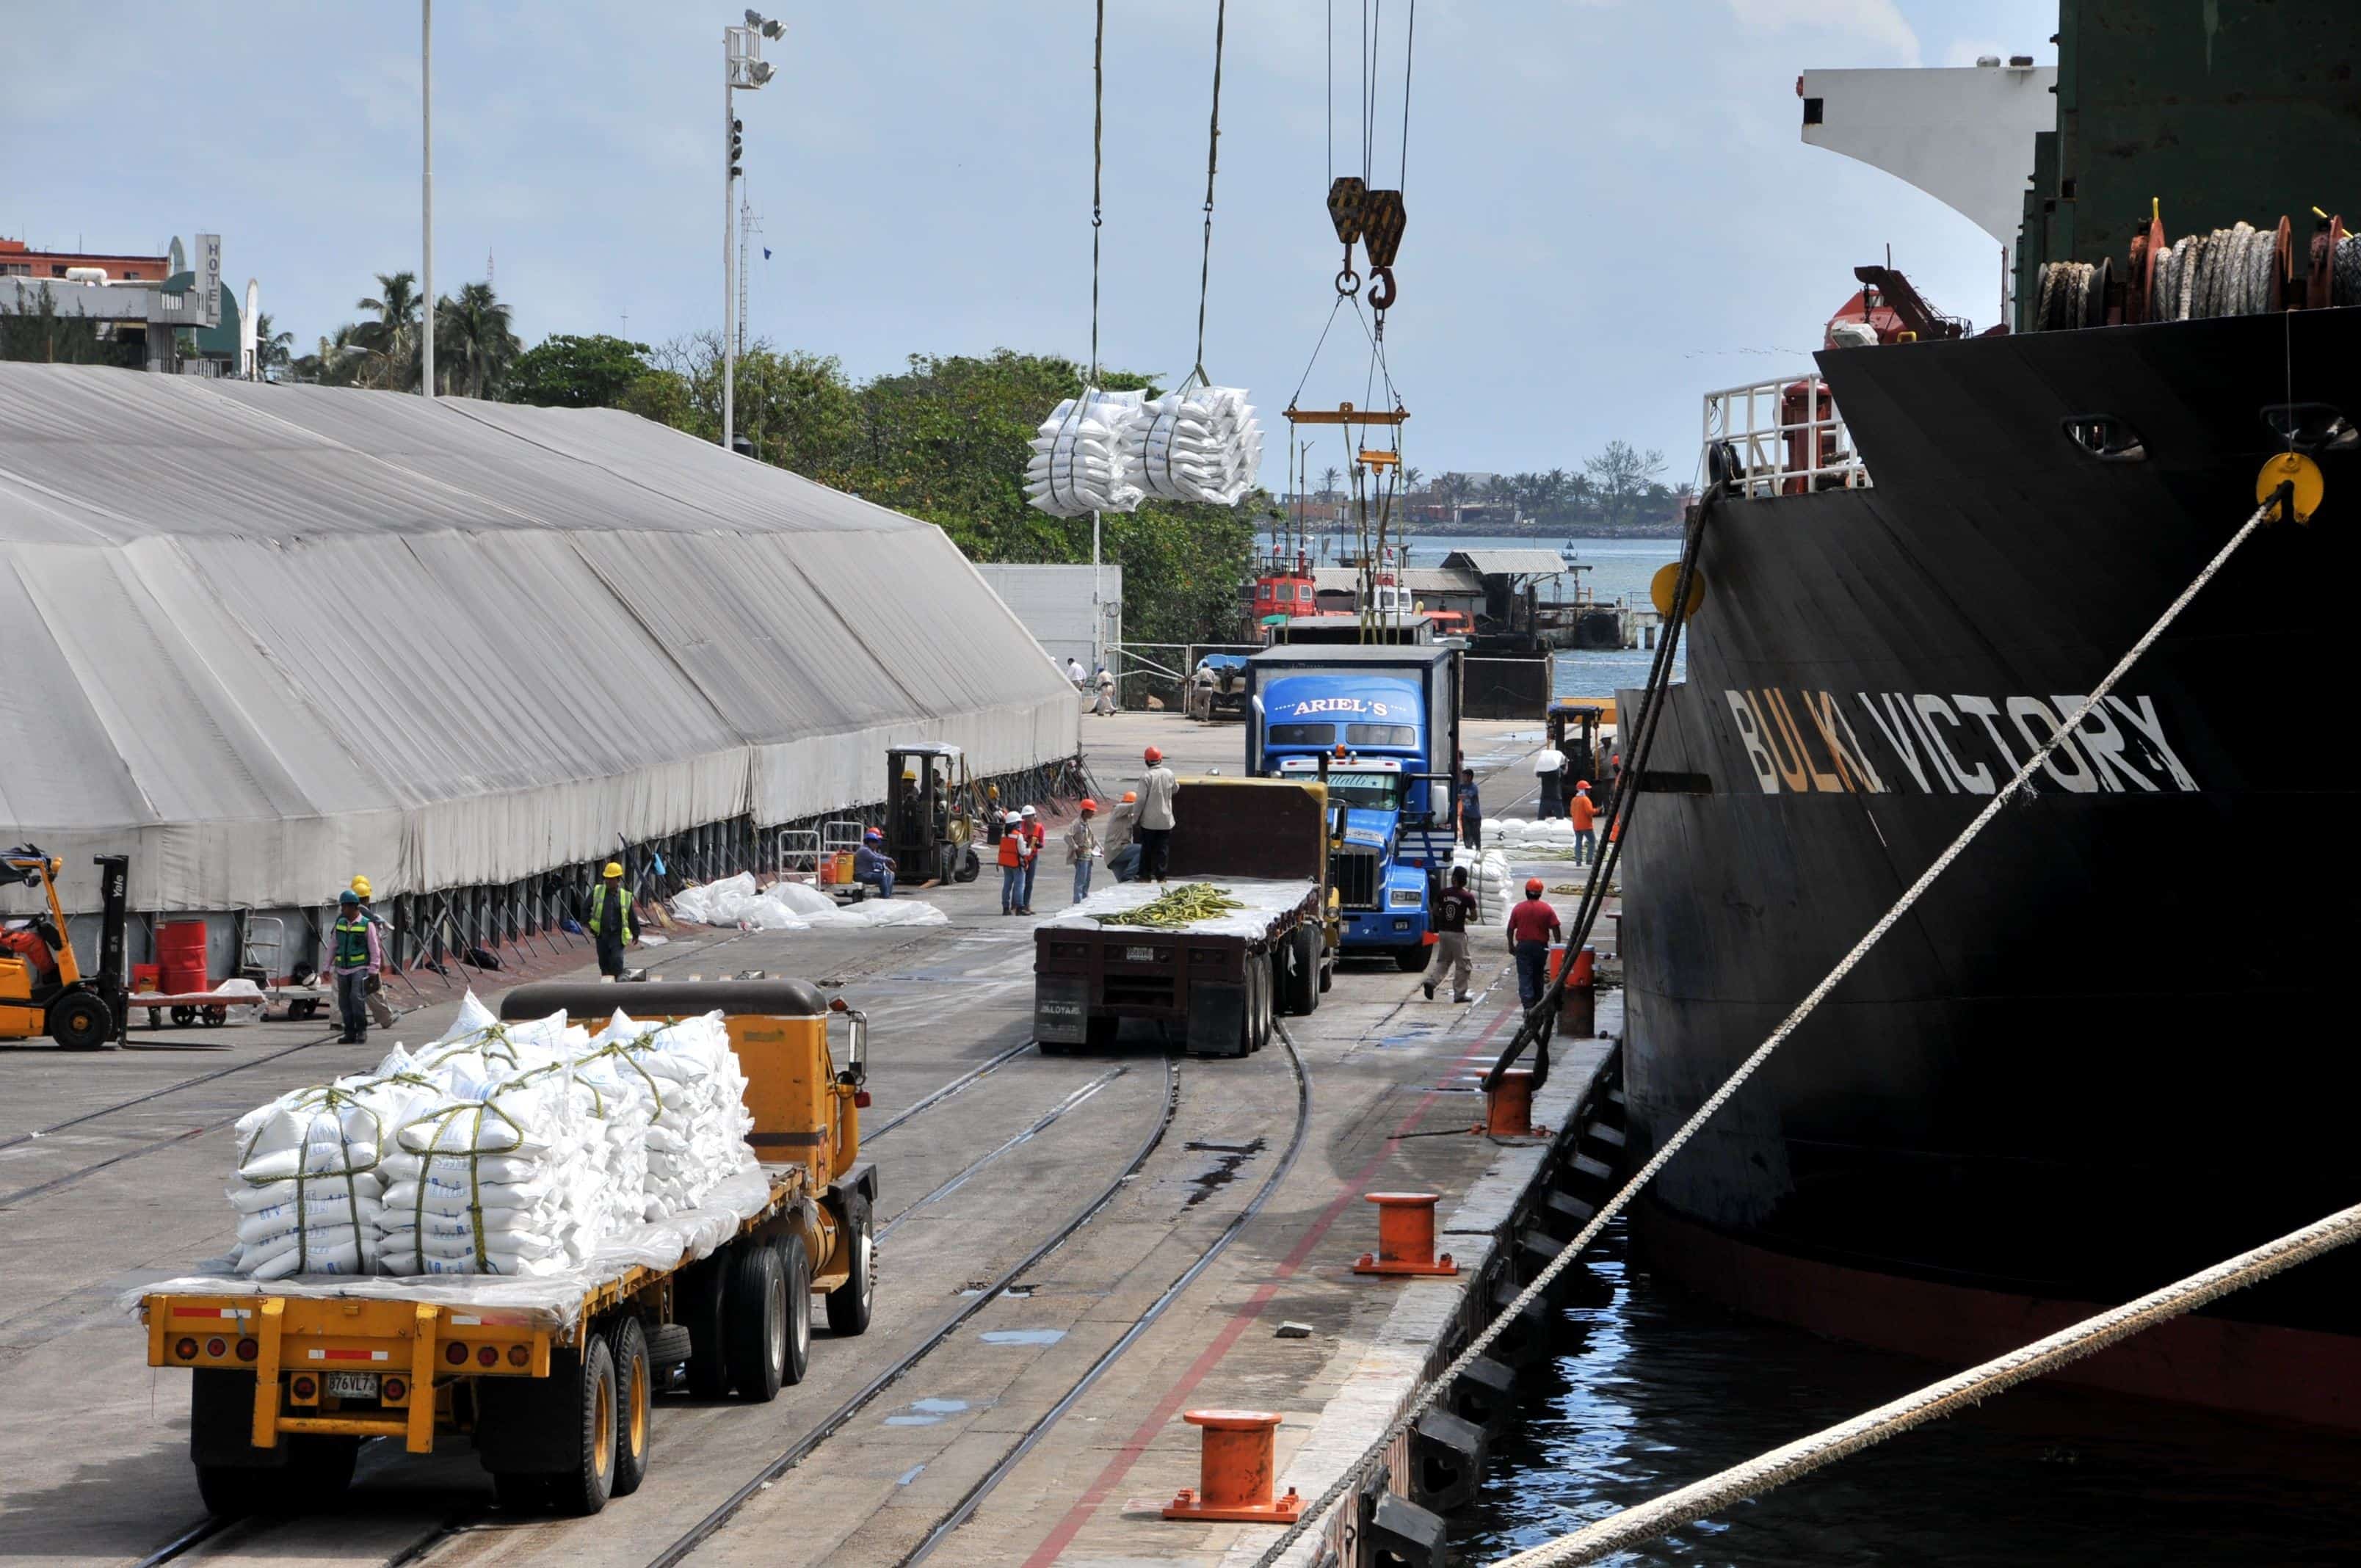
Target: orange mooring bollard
[[1233, 1472], [1405, 1236], [1509, 1108], [1577, 1013]]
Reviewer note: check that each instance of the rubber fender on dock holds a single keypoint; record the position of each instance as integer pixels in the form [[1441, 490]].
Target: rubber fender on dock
[[1446, 1460], [1563, 1214], [1535, 1251], [1485, 1394], [1401, 1533], [1528, 1336]]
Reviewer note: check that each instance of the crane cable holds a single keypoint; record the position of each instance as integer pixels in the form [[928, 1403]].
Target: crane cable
[[1212, 160], [1098, 221], [2282, 503]]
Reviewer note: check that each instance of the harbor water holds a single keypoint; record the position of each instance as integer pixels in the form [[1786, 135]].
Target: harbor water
[[1615, 568], [1653, 1388]]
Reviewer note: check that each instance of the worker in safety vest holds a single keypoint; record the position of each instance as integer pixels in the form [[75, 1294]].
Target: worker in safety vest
[[1028, 823], [1012, 865], [1585, 823], [353, 956], [380, 1011], [610, 920]]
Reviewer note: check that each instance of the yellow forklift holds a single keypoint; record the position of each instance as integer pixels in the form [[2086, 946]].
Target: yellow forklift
[[44, 989], [929, 801]]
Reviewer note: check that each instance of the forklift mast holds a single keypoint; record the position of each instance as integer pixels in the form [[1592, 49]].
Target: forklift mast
[[115, 894]]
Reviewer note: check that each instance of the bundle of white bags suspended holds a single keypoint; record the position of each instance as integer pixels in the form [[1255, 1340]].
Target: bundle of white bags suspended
[[1201, 445], [1488, 879], [503, 1149], [1080, 462]]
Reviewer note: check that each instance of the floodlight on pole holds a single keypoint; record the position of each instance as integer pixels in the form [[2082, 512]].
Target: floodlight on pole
[[743, 68]]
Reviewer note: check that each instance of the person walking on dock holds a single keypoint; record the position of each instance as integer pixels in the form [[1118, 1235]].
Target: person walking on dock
[[1549, 772], [993, 817], [1532, 926], [872, 865], [1012, 865], [354, 956], [1454, 908], [610, 920], [1028, 825], [1471, 806], [1155, 790], [1585, 823], [1082, 848], [1106, 694], [380, 1011]]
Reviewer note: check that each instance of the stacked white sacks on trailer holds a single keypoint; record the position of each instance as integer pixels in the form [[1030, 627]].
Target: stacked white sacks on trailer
[[499, 1149], [1081, 461], [1199, 445]]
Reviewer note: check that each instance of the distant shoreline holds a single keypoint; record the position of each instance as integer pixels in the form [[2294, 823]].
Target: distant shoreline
[[1665, 528]]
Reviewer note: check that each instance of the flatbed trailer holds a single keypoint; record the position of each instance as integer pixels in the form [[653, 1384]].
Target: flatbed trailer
[[1219, 984], [550, 1377]]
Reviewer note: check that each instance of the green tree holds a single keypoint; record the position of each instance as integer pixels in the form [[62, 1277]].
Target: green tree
[[474, 344], [392, 338], [273, 349], [1620, 477], [34, 329], [568, 372]]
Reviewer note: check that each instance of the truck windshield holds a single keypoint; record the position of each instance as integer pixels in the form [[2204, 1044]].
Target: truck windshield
[[1302, 735], [1403, 735], [1365, 787]]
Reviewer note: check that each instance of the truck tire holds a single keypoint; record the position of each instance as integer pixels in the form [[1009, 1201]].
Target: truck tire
[[584, 1490], [968, 867], [1266, 1014], [754, 1327], [234, 1491], [1413, 958], [320, 1467], [795, 1265], [849, 1304], [634, 1393], [1303, 970], [80, 1021], [700, 1306]]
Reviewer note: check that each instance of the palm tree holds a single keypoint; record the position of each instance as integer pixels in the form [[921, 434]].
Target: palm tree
[[1412, 479], [339, 361], [273, 350], [393, 337], [1328, 477], [473, 344]]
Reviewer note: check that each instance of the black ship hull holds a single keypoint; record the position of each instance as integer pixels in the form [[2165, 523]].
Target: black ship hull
[[2115, 1041]]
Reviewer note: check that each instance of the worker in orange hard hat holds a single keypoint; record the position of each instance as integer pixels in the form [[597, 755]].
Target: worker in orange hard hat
[[1157, 786], [1082, 847], [1532, 926], [1584, 816]]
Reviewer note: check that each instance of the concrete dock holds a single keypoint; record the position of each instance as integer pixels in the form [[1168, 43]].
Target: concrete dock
[[1017, 1439]]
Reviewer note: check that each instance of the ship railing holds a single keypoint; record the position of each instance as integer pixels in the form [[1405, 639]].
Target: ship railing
[[1783, 438]]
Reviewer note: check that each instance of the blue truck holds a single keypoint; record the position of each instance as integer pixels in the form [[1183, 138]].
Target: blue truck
[[1382, 724]]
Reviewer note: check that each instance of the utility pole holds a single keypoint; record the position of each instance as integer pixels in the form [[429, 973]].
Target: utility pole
[[426, 187], [742, 66]]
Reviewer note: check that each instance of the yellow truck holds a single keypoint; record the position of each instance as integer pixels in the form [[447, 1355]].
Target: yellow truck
[[551, 1382]]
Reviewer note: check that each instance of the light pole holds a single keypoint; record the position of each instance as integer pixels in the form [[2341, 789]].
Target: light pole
[[426, 185], [742, 66]]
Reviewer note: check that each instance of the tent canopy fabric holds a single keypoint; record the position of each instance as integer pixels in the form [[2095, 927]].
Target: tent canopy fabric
[[261, 636]]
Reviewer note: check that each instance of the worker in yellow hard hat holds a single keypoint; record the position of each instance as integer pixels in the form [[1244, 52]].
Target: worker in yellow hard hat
[[380, 1011], [610, 920]]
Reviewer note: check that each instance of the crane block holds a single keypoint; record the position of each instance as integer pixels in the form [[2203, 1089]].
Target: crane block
[[1345, 200]]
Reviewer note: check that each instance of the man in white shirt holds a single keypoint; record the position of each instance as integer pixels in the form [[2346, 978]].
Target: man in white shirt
[[1156, 819], [1074, 672]]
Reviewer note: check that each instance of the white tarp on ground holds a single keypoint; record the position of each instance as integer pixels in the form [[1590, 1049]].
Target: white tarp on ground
[[259, 636]]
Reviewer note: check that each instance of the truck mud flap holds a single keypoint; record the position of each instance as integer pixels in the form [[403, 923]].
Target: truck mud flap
[[1217, 1019], [221, 1421], [1061, 1009]]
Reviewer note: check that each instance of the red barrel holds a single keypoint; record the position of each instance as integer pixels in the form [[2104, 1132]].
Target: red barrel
[[180, 956]]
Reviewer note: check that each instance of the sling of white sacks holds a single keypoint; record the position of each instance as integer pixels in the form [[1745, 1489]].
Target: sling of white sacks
[[1201, 445], [508, 1149], [792, 906], [1547, 836], [1080, 462], [1488, 879]]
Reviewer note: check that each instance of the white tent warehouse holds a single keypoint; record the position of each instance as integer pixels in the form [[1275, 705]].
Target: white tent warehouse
[[260, 636]]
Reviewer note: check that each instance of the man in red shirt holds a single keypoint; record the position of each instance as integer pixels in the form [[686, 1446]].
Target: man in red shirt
[[1531, 926]]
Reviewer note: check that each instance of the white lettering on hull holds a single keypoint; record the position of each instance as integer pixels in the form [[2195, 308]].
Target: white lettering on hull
[[1954, 743]]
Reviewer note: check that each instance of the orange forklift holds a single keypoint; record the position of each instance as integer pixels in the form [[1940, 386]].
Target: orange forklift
[[44, 989]]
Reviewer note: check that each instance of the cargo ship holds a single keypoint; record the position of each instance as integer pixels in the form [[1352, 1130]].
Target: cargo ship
[[2113, 1044]]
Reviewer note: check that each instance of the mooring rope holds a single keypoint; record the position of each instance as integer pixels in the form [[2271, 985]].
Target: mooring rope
[[1618, 1532], [1427, 1394]]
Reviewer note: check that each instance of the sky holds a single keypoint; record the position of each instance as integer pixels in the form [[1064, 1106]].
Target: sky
[[1610, 209]]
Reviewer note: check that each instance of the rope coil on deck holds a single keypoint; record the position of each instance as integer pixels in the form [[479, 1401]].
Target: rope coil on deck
[[1760, 1475], [1428, 1393]]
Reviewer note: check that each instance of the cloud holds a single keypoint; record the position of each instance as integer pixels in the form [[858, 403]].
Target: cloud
[[1875, 22]]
